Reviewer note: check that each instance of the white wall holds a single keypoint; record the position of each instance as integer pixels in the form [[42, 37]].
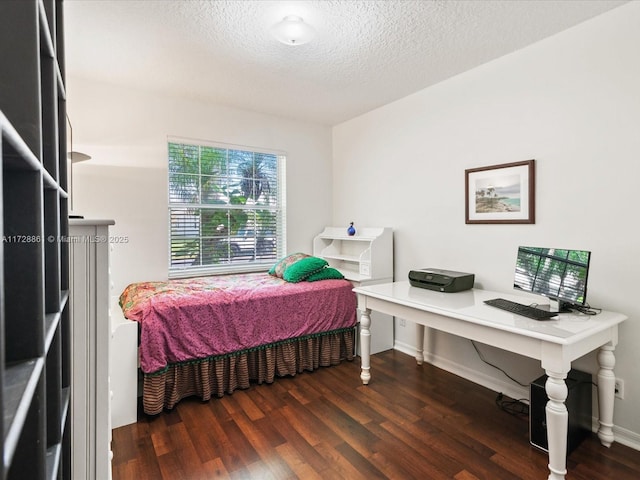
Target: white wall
[[125, 131], [136, 198], [570, 102]]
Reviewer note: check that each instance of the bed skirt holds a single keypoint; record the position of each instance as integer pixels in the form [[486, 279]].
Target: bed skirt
[[221, 375]]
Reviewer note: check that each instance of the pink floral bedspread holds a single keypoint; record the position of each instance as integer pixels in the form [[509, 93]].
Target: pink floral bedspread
[[189, 319]]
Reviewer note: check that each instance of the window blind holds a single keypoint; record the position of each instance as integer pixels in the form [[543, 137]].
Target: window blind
[[226, 208]]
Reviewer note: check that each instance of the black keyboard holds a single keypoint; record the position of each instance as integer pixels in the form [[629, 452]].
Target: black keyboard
[[519, 309]]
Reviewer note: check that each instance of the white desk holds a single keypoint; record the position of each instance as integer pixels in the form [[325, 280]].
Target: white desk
[[556, 343]]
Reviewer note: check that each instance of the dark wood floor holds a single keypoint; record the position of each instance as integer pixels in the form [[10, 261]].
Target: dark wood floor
[[410, 422]]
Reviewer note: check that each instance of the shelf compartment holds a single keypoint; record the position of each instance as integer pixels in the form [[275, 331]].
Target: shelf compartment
[[51, 243], [51, 323], [23, 264], [63, 174], [352, 238], [65, 328], [49, 112], [54, 390], [16, 155], [349, 251], [346, 258], [29, 455], [64, 246], [20, 52], [58, 456], [19, 386]]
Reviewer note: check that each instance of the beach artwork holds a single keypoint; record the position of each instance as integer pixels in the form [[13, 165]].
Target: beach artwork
[[501, 193]]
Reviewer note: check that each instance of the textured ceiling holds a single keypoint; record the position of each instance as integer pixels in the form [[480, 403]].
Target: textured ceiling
[[365, 54]]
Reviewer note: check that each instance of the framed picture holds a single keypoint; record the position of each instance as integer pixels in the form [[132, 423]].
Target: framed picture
[[501, 193]]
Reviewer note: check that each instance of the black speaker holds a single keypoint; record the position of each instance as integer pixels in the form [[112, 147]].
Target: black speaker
[[578, 404]]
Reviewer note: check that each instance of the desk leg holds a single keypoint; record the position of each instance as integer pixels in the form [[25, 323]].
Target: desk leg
[[419, 343], [606, 394], [557, 424], [365, 345]]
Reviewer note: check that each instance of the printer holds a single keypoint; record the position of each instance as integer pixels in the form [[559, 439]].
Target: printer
[[441, 280]]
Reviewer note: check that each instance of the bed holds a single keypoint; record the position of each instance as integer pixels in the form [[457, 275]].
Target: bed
[[209, 336]]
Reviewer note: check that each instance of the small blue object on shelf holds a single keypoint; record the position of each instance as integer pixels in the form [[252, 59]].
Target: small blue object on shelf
[[351, 230]]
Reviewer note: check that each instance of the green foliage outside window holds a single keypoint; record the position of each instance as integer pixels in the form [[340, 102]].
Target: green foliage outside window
[[223, 206]]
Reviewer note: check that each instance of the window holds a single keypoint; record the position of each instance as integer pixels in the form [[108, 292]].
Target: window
[[226, 208]]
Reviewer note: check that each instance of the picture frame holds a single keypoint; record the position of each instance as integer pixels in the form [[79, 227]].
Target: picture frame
[[502, 193]]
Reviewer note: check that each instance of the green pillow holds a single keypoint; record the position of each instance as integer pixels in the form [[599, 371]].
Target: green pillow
[[278, 269], [301, 269], [326, 273]]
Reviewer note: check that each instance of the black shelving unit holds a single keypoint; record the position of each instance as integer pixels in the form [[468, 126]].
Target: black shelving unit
[[34, 274]]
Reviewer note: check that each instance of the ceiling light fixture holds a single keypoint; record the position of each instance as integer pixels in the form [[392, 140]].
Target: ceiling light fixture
[[293, 31]]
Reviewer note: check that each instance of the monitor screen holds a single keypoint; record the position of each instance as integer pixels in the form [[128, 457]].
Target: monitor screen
[[553, 272]]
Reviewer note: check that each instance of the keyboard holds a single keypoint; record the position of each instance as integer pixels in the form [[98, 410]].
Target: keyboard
[[519, 309]]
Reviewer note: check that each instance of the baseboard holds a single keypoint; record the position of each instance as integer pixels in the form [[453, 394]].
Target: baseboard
[[622, 435]]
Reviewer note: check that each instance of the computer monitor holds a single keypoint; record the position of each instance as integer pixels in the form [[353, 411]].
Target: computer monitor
[[555, 273]]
